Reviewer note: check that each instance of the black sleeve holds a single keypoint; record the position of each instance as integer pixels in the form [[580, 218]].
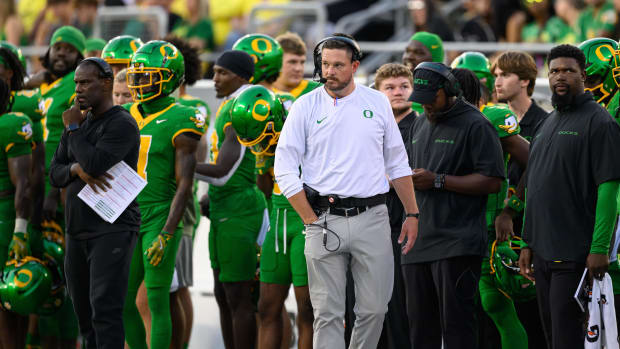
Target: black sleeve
[[60, 167], [110, 149], [485, 150], [604, 148]]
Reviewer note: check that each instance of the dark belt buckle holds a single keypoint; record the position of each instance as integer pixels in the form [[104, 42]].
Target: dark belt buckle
[[354, 211]]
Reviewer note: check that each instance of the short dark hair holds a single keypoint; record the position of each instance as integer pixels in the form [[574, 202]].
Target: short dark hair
[[292, 43], [335, 44], [101, 72], [193, 64], [567, 51], [5, 97], [470, 85]]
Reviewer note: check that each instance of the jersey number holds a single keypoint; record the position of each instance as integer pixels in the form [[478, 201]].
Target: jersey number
[[143, 158]]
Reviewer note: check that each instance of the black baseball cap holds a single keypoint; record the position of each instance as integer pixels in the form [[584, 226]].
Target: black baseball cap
[[426, 83]]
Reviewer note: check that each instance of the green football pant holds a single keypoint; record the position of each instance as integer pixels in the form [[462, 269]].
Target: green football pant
[[501, 310], [7, 224]]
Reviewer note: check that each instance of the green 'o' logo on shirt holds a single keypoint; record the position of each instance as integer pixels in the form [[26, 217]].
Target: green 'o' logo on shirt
[[368, 114]]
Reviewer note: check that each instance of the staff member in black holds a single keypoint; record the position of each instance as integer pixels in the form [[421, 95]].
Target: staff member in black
[[572, 182], [98, 135], [458, 162]]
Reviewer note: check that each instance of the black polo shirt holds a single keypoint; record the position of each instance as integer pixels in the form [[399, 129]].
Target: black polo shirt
[[531, 121], [396, 211], [573, 152], [463, 142]]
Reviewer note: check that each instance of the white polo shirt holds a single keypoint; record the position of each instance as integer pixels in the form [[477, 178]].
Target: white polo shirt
[[344, 146]]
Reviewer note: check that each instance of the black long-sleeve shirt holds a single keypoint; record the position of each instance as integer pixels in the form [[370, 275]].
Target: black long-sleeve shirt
[[97, 145]]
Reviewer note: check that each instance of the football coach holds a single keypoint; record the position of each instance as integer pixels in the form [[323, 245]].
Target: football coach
[[346, 141]]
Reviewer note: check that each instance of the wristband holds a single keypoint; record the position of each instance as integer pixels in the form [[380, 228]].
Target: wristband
[[21, 225], [414, 215], [516, 204]]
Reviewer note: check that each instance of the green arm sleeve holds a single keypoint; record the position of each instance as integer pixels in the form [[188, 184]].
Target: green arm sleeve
[[605, 217]]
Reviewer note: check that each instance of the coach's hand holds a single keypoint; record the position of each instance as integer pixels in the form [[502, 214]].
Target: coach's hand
[[423, 179], [525, 263], [101, 182], [156, 253], [597, 265], [73, 115], [410, 230]]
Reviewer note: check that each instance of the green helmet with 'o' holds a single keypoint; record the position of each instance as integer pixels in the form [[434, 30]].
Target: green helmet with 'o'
[[16, 51], [57, 295], [601, 67], [258, 116], [156, 69], [266, 52], [504, 260], [479, 64], [120, 49], [24, 286]]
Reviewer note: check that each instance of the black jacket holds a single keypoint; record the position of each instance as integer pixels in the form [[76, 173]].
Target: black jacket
[[97, 145]]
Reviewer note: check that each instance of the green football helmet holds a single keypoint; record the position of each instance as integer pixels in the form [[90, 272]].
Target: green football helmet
[[120, 49], [266, 52], [53, 242], [57, 295], [479, 64], [504, 262], [24, 286], [157, 69], [601, 67], [16, 50], [258, 116]]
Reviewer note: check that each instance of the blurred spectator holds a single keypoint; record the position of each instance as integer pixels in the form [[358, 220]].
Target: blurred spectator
[[94, 46], [427, 18], [11, 28], [149, 30], [85, 12], [197, 28], [227, 17], [559, 28], [477, 25], [598, 19], [28, 11], [57, 13], [503, 11], [540, 10]]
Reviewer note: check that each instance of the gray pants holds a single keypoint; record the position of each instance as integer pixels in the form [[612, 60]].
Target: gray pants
[[366, 239]]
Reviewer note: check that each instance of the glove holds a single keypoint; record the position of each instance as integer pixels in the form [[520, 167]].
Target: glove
[[19, 247], [155, 254]]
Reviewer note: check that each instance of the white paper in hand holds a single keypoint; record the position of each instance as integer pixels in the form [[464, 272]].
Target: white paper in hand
[[109, 205]]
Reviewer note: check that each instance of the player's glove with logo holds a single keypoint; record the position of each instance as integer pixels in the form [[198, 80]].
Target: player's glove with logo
[[19, 247], [156, 253]]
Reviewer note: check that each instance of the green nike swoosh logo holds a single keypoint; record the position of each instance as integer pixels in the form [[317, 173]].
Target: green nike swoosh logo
[[320, 121]]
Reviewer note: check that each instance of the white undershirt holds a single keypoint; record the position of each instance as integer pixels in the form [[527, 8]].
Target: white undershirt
[[344, 146]]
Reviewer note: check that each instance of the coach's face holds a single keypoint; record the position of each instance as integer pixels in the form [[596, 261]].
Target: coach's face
[[90, 89], [337, 68], [566, 77]]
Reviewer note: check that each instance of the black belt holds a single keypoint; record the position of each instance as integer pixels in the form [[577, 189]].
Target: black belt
[[347, 207]]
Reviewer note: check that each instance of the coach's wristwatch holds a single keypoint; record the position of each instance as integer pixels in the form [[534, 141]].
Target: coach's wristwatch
[[440, 181], [414, 215], [73, 127]]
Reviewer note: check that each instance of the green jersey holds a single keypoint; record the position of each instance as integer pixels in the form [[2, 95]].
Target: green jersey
[[304, 87], [203, 108], [27, 102], [55, 99], [531, 32], [558, 32], [15, 140], [158, 131], [594, 22], [244, 177], [506, 125], [201, 30]]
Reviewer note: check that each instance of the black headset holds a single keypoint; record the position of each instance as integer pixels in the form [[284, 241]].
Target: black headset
[[103, 66], [357, 54], [452, 87]]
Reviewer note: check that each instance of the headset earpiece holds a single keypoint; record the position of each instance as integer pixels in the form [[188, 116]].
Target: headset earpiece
[[451, 85], [357, 54]]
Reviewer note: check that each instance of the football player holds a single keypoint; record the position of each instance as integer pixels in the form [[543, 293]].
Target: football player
[[169, 135], [480, 65], [291, 79]]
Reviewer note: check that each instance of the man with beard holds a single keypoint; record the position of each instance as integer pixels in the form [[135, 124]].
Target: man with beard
[[345, 139], [57, 94], [572, 183], [236, 208], [423, 47], [458, 159], [98, 135]]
